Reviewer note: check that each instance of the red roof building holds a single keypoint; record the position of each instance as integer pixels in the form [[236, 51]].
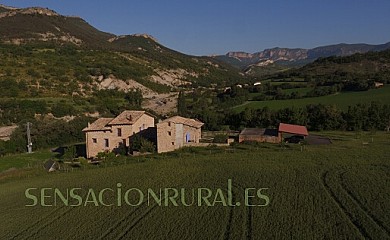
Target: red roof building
[[293, 129]]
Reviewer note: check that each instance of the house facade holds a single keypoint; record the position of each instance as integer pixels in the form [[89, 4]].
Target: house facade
[[176, 132], [108, 134]]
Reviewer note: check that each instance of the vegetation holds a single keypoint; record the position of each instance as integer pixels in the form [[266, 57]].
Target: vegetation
[[321, 192], [50, 70], [45, 134], [142, 145], [353, 72], [341, 100]]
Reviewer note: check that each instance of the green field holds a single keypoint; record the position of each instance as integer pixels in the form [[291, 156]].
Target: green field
[[302, 91], [339, 191], [23, 160], [341, 100]]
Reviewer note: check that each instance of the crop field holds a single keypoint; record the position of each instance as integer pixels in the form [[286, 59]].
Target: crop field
[[341, 100], [337, 191]]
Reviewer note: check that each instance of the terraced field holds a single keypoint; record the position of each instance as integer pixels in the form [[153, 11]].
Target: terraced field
[[324, 192]]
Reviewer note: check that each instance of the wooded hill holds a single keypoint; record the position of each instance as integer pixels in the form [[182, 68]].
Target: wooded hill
[[64, 55], [357, 68]]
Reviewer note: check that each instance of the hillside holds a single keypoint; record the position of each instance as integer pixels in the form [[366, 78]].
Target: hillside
[[47, 54], [360, 68], [280, 59]]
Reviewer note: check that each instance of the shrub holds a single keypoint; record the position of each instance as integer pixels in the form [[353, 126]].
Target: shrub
[[220, 138], [142, 145]]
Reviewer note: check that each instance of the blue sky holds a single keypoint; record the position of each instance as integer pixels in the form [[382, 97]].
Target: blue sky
[[205, 27]]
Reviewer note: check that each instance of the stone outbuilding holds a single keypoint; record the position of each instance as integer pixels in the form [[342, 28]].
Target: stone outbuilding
[[176, 132]]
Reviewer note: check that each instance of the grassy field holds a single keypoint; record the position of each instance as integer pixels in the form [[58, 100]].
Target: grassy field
[[302, 91], [342, 100], [23, 160], [339, 191]]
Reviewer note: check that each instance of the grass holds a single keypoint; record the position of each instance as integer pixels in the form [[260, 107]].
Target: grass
[[302, 91], [24, 160], [299, 90], [324, 192], [341, 100]]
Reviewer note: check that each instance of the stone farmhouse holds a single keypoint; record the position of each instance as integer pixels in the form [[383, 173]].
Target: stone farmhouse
[[177, 132], [108, 134]]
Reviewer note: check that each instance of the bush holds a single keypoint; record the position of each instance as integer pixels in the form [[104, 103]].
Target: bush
[[142, 145], [220, 138], [106, 156], [83, 161]]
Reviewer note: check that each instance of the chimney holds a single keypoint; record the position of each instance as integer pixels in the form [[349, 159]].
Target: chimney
[[129, 117]]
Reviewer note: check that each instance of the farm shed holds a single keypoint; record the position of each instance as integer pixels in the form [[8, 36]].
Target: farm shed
[[293, 129], [295, 133], [259, 135]]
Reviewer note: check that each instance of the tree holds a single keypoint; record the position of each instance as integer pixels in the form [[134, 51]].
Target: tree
[[181, 104], [70, 153], [134, 98], [141, 144]]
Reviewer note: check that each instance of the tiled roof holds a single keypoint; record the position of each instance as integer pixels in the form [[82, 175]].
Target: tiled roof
[[99, 125], [293, 129], [127, 118], [185, 121]]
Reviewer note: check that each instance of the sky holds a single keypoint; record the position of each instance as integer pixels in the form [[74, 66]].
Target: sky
[[208, 27]]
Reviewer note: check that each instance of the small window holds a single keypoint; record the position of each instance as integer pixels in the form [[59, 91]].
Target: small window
[[169, 133], [119, 132], [94, 140], [106, 143], [173, 143], [169, 124]]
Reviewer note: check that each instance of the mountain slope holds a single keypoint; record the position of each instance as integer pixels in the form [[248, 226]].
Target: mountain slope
[[280, 59], [45, 54], [42, 28], [40, 24], [356, 69]]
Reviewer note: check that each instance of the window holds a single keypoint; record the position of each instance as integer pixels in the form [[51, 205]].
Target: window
[[173, 143], [106, 143], [124, 142], [94, 140], [169, 124], [169, 133], [119, 132]]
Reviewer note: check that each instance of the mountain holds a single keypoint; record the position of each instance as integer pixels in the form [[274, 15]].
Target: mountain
[[49, 54], [343, 49], [285, 58]]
